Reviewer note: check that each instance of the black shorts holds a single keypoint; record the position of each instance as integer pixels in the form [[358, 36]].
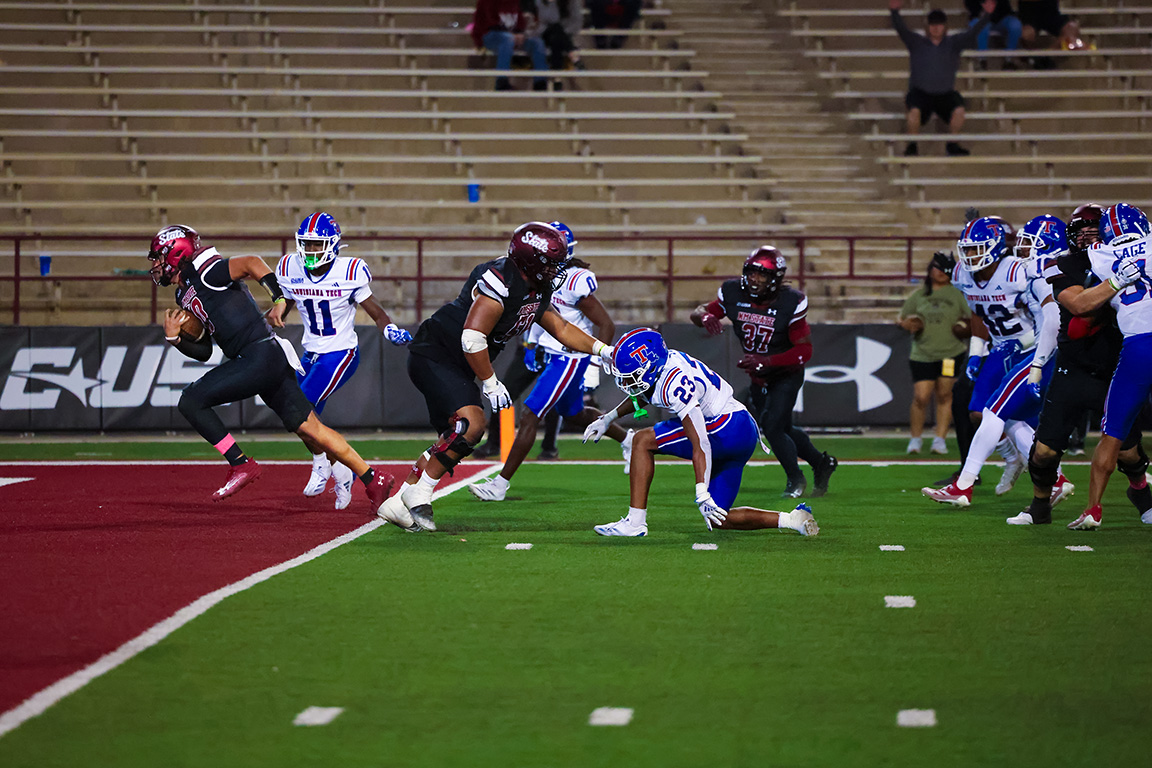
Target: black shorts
[[942, 104], [1045, 18], [1071, 392], [935, 369], [446, 388]]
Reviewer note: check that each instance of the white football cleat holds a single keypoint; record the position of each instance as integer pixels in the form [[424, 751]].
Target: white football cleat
[[1062, 490], [805, 523], [343, 487], [417, 499], [622, 527], [949, 494], [1024, 518], [939, 446], [489, 490], [626, 449], [914, 445], [394, 511], [1146, 518], [321, 471], [1012, 472]]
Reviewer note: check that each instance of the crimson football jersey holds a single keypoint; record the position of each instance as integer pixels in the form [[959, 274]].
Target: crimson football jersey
[[224, 305]]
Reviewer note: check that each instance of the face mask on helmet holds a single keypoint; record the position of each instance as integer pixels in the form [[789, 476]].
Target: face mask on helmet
[[1042, 237], [1084, 226], [638, 360], [540, 251], [981, 244], [318, 240], [170, 248], [1123, 223], [763, 273]]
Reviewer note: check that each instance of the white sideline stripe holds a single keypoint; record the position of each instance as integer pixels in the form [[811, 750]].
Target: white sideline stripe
[[13, 480], [39, 702], [1079, 548], [891, 547], [916, 718], [317, 715], [610, 716], [704, 546], [518, 546], [561, 462], [899, 601]]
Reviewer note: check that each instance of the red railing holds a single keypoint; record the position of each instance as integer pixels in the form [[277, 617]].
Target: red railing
[[800, 245]]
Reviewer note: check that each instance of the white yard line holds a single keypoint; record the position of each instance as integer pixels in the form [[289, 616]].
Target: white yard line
[[39, 702]]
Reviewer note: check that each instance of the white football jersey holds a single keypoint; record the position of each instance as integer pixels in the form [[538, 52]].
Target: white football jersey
[[1133, 305], [578, 283], [1008, 301], [686, 381], [327, 304]]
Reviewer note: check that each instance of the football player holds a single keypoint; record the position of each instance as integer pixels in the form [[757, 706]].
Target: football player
[[560, 387], [456, 346], [1015, 306], [770, 320], [1120, 262], [211, 287], [711, 429], [327, 288]]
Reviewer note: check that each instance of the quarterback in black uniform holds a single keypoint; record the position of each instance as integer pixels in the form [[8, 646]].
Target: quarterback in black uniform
[[211, 288], [1087, 352], [770, 321], [456, 346]]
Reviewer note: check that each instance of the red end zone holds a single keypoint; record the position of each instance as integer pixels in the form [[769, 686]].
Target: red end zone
[[93, 555]]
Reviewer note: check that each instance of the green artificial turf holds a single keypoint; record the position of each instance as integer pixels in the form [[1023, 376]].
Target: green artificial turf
[[446, 649]]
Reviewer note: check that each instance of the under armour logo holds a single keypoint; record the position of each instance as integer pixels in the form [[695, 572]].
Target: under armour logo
[[871, 391]]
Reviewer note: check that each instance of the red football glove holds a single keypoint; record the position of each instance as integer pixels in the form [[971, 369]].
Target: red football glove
[[712, 324], [754, 365]]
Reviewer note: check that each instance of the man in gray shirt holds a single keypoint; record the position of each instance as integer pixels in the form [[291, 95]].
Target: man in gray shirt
[[934, 58]]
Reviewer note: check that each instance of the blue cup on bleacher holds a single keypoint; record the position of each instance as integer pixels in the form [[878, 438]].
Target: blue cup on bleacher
[[473, 193], [45, 264]]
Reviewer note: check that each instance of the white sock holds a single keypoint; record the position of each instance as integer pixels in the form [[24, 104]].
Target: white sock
[[1007, 450], [427, 482], [627, 441], [500, 482], [319, 459], [1022, 435], [983, 443], [637, 516]]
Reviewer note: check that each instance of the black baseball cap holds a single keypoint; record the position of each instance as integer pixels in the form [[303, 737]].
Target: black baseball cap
[[937, 16]]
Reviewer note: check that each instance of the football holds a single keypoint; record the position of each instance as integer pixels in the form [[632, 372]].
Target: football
[[191, 329]]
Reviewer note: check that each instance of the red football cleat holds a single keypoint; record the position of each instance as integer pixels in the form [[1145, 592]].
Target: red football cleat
[[1062, 490], [380, 488], [238, 477], [1089, 521], [949, 494]]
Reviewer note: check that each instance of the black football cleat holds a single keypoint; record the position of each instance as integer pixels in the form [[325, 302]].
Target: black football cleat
[[822, 473], [795, 488]]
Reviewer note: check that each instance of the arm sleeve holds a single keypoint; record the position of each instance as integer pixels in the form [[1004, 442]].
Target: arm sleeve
[[696, 416], [363, 282], [714, 307], [1049, 328]]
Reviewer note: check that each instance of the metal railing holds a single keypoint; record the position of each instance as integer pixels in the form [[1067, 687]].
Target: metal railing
[[663, 252]]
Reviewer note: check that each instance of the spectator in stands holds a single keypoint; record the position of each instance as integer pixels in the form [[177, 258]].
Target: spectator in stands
[[1044, 16], [936, 315], [612, 14], [499, 26], [560, 22], [934, 58], [1003, 21]]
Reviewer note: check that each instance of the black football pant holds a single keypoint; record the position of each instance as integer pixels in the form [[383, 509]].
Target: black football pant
[[772, 405]]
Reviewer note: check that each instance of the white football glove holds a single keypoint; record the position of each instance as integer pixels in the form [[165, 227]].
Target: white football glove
[[397, 335], [604, 352], [1127, 272], [597, 429], [713, 514], [497, 394]]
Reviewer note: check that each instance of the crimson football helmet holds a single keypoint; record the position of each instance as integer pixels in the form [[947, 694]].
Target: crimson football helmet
[[765, 260], [541, 253], [171, 247], [1084, 226]]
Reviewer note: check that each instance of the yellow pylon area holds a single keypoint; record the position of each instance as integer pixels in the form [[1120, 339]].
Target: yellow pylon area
[[507, 432]]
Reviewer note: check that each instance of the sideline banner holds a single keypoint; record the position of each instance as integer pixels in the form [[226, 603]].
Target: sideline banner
[[121, 378]]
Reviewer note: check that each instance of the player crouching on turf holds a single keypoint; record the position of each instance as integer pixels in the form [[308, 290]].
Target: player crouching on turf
[[328, 288], [711, 429], [457, 344], [211, 288]]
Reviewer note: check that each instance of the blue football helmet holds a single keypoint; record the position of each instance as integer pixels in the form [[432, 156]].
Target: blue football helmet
[[318, 240], [639, 359], [1123, 223], [568, 236], [1042, 237], [982, 243]]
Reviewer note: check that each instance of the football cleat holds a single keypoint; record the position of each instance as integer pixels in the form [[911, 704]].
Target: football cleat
[[321, 471], [379, 488], [394, 511], [489, 490], [1089, 520], [822, 473], [626, 450], [1031, 516], [795, 488], [949, 494], [343, 486], [939, 446], [1141, 498], [548, 455], [805, 523], [238, 477], [418, 501], [1146, 518], [622, 527], [1012, 472], [1062, 490]]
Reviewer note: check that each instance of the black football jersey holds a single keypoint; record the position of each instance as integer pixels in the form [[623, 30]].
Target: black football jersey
[[762, 327], [439, 335], [224, 305], [1099, 352]]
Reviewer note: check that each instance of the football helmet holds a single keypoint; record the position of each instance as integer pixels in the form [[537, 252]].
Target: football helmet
[[171, 247], [982, 243], [1084, 227], [638, 359], [768, 261], [1123, 223], [541, 253], [318, 240], [568, 235], [1043, 237]]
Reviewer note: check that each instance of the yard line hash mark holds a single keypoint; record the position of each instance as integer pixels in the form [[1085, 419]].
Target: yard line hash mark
[[916, 718], [514, 545], [891, 547], [317, 715], [1079, 548], [899, 601], [704, 546], [610, 716]]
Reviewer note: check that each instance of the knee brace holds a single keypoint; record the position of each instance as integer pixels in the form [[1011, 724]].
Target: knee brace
[[1044, 475], [1135, 470], [452, 440]]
